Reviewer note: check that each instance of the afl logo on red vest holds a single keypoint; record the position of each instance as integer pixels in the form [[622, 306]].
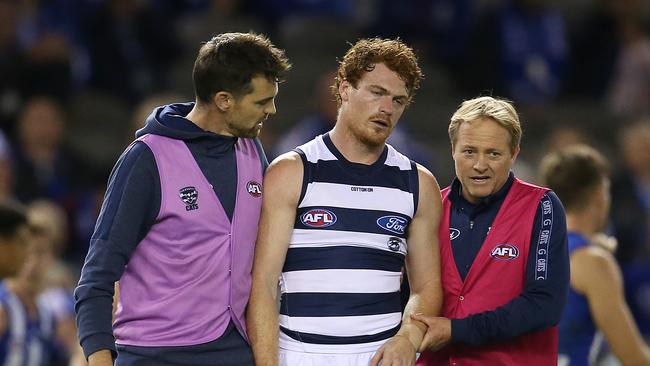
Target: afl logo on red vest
[[318, 218], [254, 188], [505, 252]]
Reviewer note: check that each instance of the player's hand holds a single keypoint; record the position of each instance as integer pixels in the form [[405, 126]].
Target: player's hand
[[101, 358], [438, 333], [397, 351]]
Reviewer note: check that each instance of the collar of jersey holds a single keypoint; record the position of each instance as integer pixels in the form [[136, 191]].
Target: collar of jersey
[[355, 167]]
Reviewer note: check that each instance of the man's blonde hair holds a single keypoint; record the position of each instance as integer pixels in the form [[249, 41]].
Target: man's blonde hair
[[499, 110]]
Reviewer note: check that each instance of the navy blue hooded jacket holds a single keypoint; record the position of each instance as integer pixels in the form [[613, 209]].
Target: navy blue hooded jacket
[[130, 207]]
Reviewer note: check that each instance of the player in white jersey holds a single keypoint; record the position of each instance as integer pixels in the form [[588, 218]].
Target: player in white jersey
[[341, 215]]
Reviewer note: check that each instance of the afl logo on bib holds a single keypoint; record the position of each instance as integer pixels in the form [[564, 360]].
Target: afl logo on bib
[[318, 218], [505, 252], [254, 188]]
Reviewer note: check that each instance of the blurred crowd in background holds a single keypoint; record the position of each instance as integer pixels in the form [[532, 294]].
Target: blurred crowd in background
[[78, 77]]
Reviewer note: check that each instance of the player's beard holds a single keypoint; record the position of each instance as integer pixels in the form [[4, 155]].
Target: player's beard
[[371, 136], [248, 132]]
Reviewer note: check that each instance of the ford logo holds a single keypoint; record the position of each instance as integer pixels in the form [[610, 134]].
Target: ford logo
[[394, 224]]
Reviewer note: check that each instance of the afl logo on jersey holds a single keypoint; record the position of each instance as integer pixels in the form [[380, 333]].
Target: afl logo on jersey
[[453, 233], [394, 224], [254, 188], [318, 218], [505, 252]]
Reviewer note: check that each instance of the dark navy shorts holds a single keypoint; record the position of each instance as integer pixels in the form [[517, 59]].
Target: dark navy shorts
[[229, 350]]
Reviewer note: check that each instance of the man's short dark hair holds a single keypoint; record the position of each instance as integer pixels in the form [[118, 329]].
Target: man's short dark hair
[[229, 61], [12, 217], [572, 173]]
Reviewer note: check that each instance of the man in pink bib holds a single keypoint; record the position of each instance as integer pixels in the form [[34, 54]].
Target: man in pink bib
[[179, 220], [503, 251]]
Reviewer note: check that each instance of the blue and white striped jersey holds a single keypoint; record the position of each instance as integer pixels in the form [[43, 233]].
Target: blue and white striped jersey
[[341, 278], [27, 342]]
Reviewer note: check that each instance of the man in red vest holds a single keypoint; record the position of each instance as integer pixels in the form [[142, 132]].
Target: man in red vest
[[503, 251]]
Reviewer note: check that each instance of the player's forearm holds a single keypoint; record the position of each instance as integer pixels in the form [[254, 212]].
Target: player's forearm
[[622, 335], [263, 327], [414, 332], [640, 356], [426, 302], [634, 353]]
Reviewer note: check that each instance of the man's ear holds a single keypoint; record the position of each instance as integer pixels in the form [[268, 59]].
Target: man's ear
[[515, 153], [344, 89], [223, 101]]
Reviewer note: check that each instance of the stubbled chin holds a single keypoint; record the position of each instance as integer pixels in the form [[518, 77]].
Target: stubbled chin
[[374, 140], [375, 136]]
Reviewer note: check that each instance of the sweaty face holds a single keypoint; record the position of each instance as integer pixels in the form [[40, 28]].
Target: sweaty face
[[371, 110], [482, 158], [251, 110]]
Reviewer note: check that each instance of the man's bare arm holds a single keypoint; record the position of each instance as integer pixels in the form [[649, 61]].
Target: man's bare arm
[[423, 268], [595, 274], [282, 186]]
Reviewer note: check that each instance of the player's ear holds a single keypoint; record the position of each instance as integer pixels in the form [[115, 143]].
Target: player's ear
[[344, 90], [223, 100]]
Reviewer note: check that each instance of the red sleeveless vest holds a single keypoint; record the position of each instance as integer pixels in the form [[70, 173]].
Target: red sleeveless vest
[[497, 276]]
